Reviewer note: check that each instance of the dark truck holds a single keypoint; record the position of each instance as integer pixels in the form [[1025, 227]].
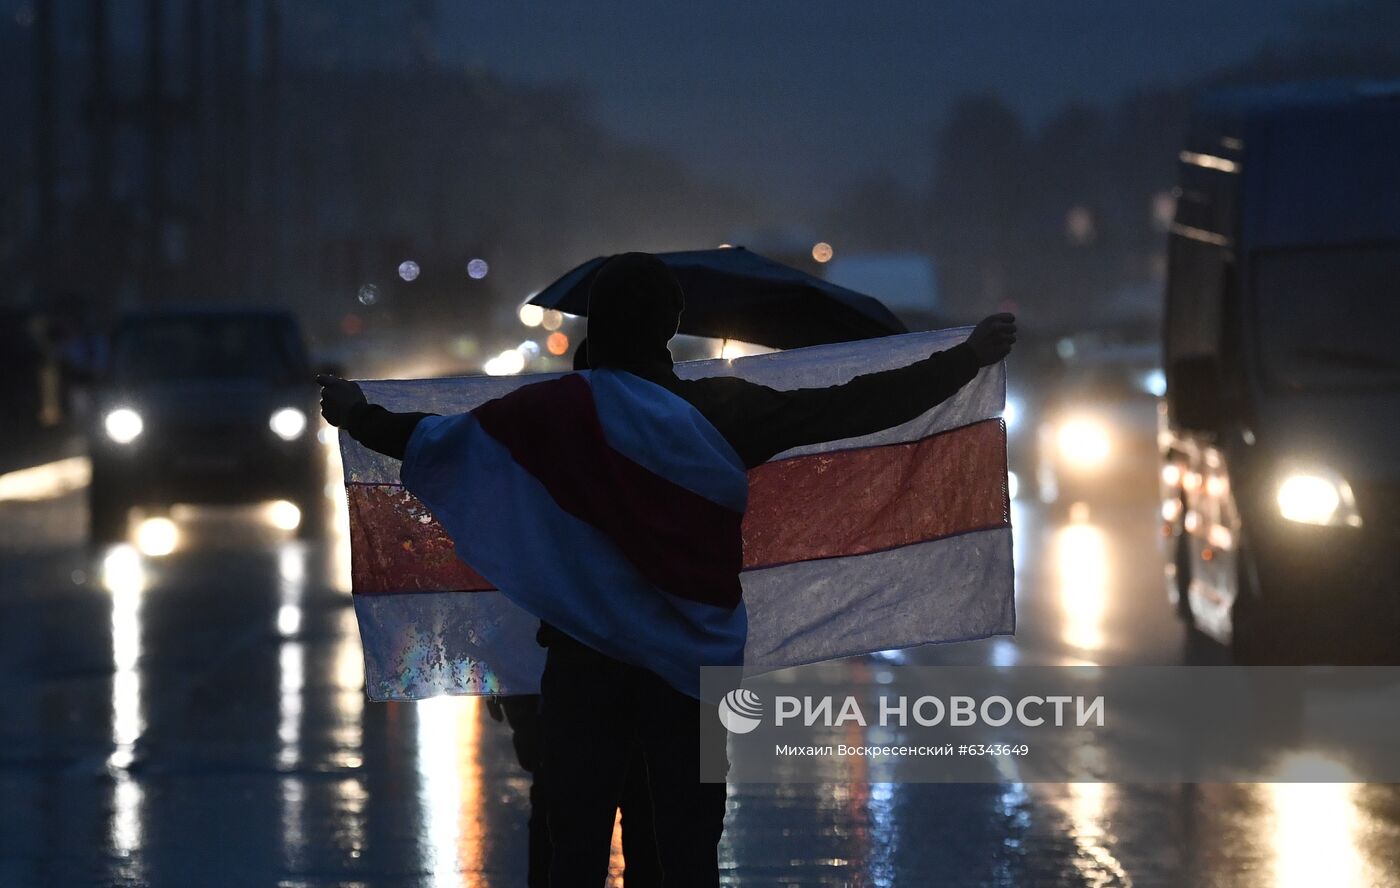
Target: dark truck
[[205, 406], [1281, 433]]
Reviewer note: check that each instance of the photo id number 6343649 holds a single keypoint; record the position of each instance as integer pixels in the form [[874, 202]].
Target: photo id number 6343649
[[996, 749]]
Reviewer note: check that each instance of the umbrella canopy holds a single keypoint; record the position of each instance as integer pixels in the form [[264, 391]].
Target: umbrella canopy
[[732, 293]]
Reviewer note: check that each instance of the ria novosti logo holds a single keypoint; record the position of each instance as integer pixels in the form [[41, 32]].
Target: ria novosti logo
[[740, 711]]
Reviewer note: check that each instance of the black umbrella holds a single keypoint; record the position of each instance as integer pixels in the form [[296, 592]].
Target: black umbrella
[[732, 293]]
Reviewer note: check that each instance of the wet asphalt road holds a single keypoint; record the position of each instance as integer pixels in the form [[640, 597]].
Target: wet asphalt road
[[197, 719]]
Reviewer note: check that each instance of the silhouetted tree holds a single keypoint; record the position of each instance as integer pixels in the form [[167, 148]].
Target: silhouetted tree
[[978, 204]]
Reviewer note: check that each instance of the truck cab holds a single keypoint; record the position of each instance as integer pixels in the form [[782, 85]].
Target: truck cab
[[1280, 429]]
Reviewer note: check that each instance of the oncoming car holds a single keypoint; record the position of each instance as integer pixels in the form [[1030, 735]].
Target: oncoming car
[[1096, 438], [205, 406]]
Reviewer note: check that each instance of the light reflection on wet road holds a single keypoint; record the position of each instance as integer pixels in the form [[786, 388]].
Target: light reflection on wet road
[[198, 719]]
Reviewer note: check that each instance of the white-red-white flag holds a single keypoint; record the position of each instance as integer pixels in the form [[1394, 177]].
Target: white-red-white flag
[[885, 541]]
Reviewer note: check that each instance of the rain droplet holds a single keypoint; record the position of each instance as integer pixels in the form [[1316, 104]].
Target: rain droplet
[[408, 270], [369, 294], [477, 269]]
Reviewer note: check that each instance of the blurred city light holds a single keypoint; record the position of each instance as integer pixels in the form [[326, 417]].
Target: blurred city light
[[1080, 228], [123, 425], [463, 346], [288, 620], [122, 571], [1316, 835], [557, 344], [821, 251], [1082, 575], [529, 348], [450, 774], [369, 294], [1154, 382], [1011, 413], [1013, 485], [1171, 474], [1220, 537], [409, 270], [46, 481], [1163, 210], [478, 269], [291, 674], [531, 315], [1209, 161], [284, 515], [553, 320], [507, 363], [730, 349], [288, 423], [124, 576], [1084, 443], [157, 536]]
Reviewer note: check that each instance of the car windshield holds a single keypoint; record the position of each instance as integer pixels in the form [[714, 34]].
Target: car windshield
[[1327, 317], [219, 347]]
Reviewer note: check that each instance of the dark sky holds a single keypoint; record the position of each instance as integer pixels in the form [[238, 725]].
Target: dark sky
[[804, 94], [797, 97]]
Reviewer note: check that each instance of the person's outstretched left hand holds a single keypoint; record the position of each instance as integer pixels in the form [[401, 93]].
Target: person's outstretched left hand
[[992, 338], [338, 398]]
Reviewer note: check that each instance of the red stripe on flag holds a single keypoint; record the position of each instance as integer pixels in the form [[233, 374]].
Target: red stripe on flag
[[396, 546], [827, 505], [852, 502], [680, 541]]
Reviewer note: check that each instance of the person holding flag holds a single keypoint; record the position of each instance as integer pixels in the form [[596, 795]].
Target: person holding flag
[[609, 505]]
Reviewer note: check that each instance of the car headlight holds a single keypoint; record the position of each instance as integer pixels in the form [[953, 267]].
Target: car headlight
[[122, 425], [1084, 442], [288, 423], [1317, 496]]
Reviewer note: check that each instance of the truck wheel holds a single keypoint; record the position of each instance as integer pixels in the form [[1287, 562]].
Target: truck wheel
[[107, 513]]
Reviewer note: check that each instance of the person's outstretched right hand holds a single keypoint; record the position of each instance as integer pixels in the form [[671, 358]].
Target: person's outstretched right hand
[[992, 338], [338, 398]]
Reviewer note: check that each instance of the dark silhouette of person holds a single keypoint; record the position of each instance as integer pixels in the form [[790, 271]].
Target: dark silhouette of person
[[596, 709], [641, 866]]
